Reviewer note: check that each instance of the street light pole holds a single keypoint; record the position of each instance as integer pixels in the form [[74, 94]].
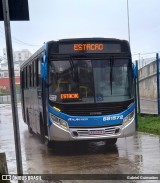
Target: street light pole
[[128, 22], [139, 59], [12, 88]]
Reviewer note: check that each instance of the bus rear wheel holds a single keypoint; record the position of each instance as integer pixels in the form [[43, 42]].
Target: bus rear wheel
[[111, 141]]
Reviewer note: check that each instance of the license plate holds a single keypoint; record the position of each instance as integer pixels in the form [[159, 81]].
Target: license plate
[[96, 132]]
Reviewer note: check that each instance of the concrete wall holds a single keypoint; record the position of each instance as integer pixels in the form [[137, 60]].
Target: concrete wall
[[148, 81], [148, 88]]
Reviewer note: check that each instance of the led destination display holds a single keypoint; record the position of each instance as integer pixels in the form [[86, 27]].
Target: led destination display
[[90, 48]]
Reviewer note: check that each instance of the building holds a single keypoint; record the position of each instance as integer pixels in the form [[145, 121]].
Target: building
[[4, 70], [5, 85], [18, 58]]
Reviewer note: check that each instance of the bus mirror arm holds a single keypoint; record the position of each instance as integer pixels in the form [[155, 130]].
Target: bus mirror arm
[[134, 70], [44, 70], [48, 85]]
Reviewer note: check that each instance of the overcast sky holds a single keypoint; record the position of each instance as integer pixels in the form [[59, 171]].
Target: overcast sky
[[59, 19]]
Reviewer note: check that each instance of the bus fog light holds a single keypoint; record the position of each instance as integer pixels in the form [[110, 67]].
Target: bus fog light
[[75, 133], [117, 130]]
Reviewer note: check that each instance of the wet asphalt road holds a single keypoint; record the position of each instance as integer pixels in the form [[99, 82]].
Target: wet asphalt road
[[139, 154]]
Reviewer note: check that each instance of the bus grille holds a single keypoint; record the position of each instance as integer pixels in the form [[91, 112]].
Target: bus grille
[[97, 111], [86, 132], [108, 131], [94, 109]]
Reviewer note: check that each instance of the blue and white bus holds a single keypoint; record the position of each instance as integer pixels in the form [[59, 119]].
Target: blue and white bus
[[79, 89]]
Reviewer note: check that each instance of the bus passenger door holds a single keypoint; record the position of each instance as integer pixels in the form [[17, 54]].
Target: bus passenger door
[[39, 97], [42, 102]]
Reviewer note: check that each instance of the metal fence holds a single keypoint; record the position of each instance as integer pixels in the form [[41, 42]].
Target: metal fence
[[148, 90], [6, 99]]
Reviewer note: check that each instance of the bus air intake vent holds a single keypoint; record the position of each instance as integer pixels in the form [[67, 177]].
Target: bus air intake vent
[[94, 109]]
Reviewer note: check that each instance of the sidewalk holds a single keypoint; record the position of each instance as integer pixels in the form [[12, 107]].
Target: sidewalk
[[4, 105]]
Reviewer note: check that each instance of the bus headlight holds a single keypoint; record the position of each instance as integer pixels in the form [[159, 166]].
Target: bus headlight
[[54, 118], [60, 122], [128, 118], [63, 124]]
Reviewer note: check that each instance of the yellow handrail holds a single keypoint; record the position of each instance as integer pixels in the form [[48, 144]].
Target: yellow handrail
[[86, 89], [64, 82]]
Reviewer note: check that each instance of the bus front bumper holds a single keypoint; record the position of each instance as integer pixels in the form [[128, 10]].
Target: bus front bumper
[[57, 133]]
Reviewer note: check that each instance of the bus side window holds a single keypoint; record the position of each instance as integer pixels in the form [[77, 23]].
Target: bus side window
[[39, 71], [27, 74], [22, 78], [35, 73], [32, 77]]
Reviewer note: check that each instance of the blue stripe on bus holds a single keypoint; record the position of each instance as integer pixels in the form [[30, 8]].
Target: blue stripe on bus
[[104, 120], [46, 45]]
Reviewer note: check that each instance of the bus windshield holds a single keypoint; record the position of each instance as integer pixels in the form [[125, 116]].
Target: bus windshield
[[90, 81]]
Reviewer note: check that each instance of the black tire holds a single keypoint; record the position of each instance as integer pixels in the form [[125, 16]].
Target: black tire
[[42, 132], [28, 122], [49, 143], [111, 141]]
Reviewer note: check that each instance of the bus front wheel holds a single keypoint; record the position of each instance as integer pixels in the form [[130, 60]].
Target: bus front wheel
[[49, 143]]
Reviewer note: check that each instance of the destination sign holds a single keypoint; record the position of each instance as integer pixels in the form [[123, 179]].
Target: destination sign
[[90, 48], [84, 47], [69, 96]]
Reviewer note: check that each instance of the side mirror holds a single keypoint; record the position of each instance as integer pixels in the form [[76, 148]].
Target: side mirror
[[44, 70], [134, 70]]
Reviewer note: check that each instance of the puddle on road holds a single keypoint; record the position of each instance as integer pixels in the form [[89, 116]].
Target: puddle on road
[[132, 155], [129, 155]]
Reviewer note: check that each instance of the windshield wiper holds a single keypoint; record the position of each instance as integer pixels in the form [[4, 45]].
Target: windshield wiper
[[74, 70], [111, 67]]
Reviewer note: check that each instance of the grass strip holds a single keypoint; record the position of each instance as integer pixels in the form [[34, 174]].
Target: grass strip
[[149, 124]]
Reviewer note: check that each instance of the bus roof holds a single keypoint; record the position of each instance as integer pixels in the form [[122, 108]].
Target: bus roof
[[72, 40], [90, 39]]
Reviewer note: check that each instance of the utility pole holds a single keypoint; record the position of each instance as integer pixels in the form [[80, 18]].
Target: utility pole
[[12, 87], [139, 59], [13, 10], [158, 82], [128, 22]]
